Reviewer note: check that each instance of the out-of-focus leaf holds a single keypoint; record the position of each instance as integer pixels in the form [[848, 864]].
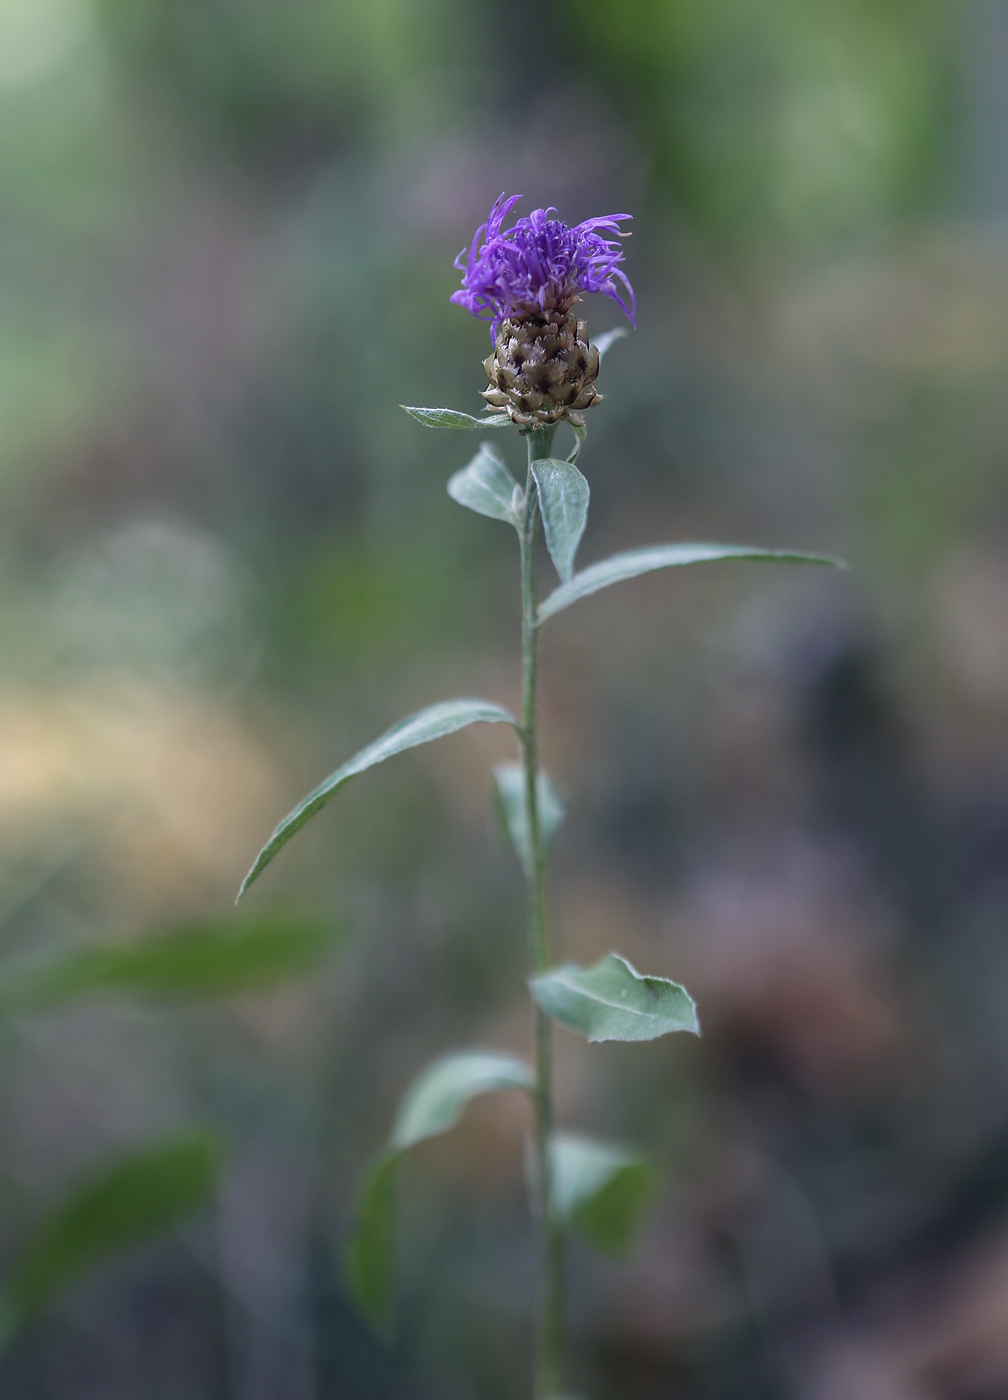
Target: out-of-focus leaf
[[510, 781], [563, 500], [421, 728], [434, 1104], [633, 562], [486, 486], [198, 960], [580, 435], [597, 1189], [369, 1258], [451, 418], [613, 1001], [608, 338], [135, 1198]]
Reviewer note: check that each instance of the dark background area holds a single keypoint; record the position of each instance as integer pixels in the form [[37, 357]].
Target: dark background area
[[228, 560]]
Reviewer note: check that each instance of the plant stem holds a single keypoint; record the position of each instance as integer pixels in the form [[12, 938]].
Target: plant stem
[[550, 1302]]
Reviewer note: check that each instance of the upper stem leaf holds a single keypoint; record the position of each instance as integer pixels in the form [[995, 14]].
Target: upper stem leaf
[[665, 556], [608, 338], [563, 500], [486, 486], [613, 1001], [597, 1189], [510, 780], [451, 418], [421, 728]]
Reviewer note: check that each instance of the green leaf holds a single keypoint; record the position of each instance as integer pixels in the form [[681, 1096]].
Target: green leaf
[[451, 418], [136, 1197], [369, 1258], [580, 434], [197, 960], [433, 1105], [598, 1190], [510, 780], [613, 1001], [608, 338], [563, 500], [486, 486], [421, 728], [665, 556], [438, 1098]]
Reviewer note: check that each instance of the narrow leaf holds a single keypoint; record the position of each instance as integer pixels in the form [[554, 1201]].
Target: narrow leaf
[[510, 781], [580, 435], [432, 723], [433, 1105], [608, 338], [486, 486], [597, 1189], [563, 500], [613, 1001], [665, 556], [135, 1198], [370, 1257], [451, 418], [198, 960]]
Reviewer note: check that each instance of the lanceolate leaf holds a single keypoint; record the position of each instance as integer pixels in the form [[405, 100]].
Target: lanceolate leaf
[[665, 556], [137, 1197], [510, 780], [486, 486], [597, 1189], [563, 500], [421, 728], [580, 435], [198, 960], [451, 418], [433, 1105], [613, 1001], [608, 338]]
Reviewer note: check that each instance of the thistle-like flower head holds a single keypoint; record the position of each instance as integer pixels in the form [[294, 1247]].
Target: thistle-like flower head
[[540, 265]]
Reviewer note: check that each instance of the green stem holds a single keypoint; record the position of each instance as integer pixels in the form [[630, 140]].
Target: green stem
[[550, 1301]]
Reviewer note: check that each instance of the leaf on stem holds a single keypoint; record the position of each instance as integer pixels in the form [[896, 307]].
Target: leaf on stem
[[451, 418], [613, 1001], [197, 960], [563, 500], [510, 783], [486, 486], [580, 435], [665, 556], [432, 723], [608, 338], [137, 1197], [434, 1104], [597, 1189]]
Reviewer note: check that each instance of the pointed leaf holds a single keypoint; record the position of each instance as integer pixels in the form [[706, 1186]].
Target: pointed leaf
[[597, 1189], [198, 960], [433, 1105], [607, 338], [421, 728], [613, 1001], [486, 486], [137, 1197], [510, 780], [451, 418], [563, 500], [665, 556], [369, 1258], [580, 434]]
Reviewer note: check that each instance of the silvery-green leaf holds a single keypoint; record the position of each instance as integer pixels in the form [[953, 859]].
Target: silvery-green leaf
[[438, 1098], [666, 556], [432, 723], [613, 1001], [563, 500], [433, 1105], [607, 338], [485, 486], [510, 780], [580, 434], [198, 960], [597, 1189], [451, 418], [136, 1197]]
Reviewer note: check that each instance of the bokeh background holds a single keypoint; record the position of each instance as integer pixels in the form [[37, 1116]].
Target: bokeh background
[[228, 560]]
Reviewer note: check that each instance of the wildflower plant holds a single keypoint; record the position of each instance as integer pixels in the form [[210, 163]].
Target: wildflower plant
[[526, 281]]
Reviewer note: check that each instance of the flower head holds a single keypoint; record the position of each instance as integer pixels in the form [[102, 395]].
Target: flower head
[[540, 265]]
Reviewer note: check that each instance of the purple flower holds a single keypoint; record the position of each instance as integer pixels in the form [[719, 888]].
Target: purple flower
[[540, 265]]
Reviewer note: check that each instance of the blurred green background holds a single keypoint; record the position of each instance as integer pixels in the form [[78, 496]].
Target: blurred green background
[[226, 240]]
